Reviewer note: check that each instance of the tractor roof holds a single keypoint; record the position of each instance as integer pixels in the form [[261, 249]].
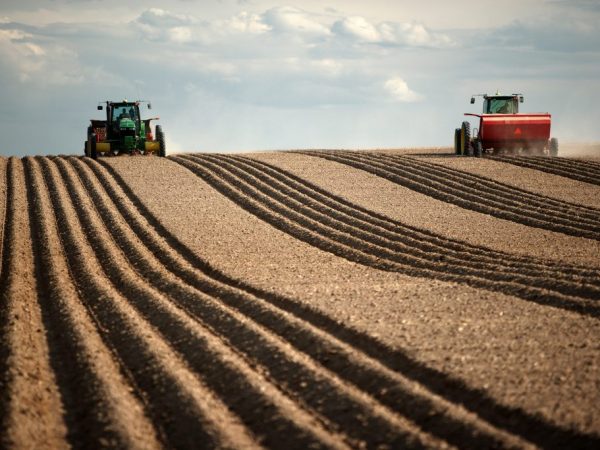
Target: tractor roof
[[497, 95], [124, 102]]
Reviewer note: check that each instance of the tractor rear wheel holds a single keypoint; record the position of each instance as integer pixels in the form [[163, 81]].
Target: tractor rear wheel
[[160, 137], [465, 139], [93, 152], [553, 147], [457, 141]]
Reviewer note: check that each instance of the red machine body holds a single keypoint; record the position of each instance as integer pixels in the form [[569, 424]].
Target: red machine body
[[527, 131]]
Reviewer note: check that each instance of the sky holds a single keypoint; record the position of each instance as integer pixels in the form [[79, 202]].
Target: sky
[[241, 75]]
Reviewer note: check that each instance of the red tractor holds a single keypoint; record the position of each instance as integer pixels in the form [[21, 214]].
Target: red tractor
[[502, 129]]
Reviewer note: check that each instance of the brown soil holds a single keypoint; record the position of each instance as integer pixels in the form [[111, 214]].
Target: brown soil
[[529, 179], [384, 299], [422, 211]]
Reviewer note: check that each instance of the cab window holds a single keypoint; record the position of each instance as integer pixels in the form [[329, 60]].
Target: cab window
[[125, 111], [501, 106]]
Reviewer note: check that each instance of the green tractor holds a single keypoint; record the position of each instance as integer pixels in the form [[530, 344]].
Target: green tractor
[[124, 132]]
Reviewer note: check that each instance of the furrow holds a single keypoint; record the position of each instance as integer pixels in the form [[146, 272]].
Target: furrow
[[178, 402], [3, 205], [361, 225], [255, 204], [337, 239], [231, 333], [265, 356], [586, 163], [430, 398], [582, 167], [509, 194], [484, 191], [441, 192], [556, 166], [100, 409], [490, 192], [349, 410], [31, 411], [318, 392], [416, 237]]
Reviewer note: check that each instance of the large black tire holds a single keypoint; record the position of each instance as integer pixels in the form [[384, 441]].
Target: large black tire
[[85, 144], [465, 139], [93, 152], [457, 141], [553, 147], [477, 149], [160, 137]]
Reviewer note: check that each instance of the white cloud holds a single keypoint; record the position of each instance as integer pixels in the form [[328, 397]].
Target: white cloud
[[25, 57], [301, 26], [405, 34], [37, 61], [357, 27], [225, 69], [34, 49], [165, 19], [416, 34], [248, 23], [585, 5], [157, 24], [13, 35], [345, 69], [400, 91], [180, 34], [290, 19], [328, 66], [564, 34]]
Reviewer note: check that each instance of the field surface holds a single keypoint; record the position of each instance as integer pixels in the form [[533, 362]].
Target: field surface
[[306, 299]]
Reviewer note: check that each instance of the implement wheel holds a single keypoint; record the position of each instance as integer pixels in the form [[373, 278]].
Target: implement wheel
[[457, 141], [465, 139], [553, 147], [160, 137], [477, 149]]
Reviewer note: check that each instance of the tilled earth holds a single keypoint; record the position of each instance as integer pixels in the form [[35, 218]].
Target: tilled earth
[[306, 299]]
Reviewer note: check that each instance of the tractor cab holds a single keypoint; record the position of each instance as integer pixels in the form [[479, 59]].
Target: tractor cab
[[118, 111], [500, 104], [122, 116]]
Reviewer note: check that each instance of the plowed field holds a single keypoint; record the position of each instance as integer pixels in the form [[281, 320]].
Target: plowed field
[[308, 299]]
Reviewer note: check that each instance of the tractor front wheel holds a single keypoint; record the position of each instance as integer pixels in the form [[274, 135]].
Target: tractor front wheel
[[457, 141], [88, 143], [465, 139], [160, 137], [553, 147], [93, 152]]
